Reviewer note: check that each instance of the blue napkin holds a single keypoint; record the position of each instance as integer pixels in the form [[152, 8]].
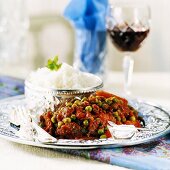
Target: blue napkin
[[87, 14], [88, 19]]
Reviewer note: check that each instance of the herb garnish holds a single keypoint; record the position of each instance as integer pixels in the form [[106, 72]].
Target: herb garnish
[[53, 64]]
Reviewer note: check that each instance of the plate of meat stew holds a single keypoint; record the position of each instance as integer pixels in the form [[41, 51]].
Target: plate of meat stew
[[82, 122]]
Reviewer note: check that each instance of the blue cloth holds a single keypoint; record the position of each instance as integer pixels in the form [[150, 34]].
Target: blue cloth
[[88, 18], [87, 14], [10, 86]]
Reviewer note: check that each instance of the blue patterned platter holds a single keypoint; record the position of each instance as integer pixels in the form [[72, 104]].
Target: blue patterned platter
[[157, 120]]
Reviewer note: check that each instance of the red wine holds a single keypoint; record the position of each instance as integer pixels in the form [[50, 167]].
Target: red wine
[[128, 39]]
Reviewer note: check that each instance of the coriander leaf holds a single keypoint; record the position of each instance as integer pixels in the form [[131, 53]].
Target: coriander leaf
[[56, 59], [53, 64]]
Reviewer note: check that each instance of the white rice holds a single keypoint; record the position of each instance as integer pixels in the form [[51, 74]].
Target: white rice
[[65, 78]]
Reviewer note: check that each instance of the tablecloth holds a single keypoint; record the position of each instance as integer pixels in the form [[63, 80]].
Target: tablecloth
[[150, 156]]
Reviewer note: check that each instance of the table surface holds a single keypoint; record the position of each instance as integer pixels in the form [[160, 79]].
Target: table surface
[[154, 87]]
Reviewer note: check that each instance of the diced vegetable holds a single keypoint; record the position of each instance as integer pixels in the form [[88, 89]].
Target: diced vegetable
[[101, 131], [60, 124], [88, 108], [85, 122], [67, 120], [103, 137]]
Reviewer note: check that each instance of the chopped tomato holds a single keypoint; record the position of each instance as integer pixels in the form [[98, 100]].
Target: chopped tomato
[[108, 134], [80, 115], [103, 94]]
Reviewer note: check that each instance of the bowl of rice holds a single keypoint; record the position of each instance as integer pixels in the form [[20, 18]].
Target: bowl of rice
[[46, 87]]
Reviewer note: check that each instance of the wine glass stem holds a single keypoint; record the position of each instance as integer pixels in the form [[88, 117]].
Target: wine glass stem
[[128, 64]]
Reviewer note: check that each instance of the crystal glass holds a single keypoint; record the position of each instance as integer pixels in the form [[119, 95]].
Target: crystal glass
[[128, 24]]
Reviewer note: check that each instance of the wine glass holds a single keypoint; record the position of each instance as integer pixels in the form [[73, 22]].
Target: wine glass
[[128, 24]]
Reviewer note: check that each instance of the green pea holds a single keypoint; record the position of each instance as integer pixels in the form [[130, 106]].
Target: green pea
[[115, 114], [68, 104], [88, 108], [85, 122], [77, 102], [67, 120], [101, 131], [84, 99], [102, 136], [99, 103], [73, 117], [132, 118], [98, 119], [60, 124], [96, 100], [114, 99], [74, 105], [108, 101], [53, 119], [124, 120], [118, 118]]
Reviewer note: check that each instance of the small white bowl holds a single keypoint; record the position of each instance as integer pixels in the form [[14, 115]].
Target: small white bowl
[[122, 131]]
